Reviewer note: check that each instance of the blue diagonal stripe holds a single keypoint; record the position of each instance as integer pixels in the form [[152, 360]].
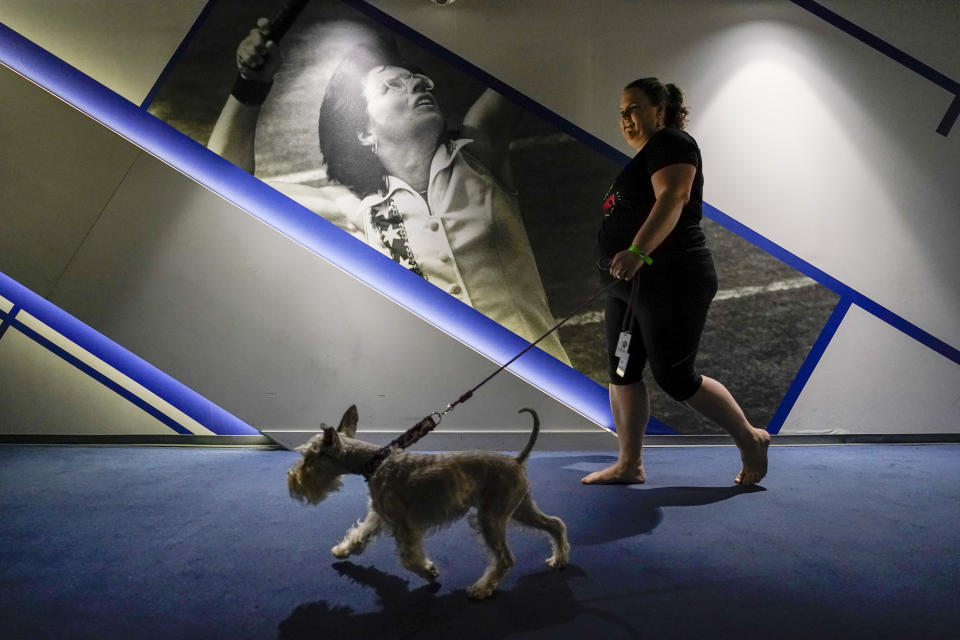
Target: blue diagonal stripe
[[211, 416], [879, 44], [893, 53], [7, 318], [833, 284], [950, 117], [99, 377], [809, 364]]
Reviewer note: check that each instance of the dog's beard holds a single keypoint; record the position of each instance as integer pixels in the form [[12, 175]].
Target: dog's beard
[[311, 488]]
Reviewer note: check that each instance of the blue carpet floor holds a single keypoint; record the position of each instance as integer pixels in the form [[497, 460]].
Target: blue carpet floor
[[840, 542]]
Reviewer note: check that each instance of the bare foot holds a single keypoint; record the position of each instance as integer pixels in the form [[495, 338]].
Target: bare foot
[[754, 456], [617, 474]]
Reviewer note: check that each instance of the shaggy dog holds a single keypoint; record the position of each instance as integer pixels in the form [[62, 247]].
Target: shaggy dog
[[412, 494]]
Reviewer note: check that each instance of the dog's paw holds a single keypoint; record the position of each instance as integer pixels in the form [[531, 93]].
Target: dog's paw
[[473, 521], [341, 551], [480, 591], [430, 571], [556, 562]]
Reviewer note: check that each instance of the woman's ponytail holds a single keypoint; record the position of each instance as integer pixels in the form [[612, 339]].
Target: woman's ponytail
[[676, 111], [670, 96]]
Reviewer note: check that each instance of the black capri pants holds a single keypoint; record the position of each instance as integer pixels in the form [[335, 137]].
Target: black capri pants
[[670, 299]]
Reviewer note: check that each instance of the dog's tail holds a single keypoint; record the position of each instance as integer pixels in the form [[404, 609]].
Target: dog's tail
[[522, 456]]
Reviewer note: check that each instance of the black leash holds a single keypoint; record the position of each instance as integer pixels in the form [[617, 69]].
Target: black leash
[[425, 426]]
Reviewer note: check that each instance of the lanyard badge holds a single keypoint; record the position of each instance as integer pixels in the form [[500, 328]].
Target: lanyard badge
[[623, 352]]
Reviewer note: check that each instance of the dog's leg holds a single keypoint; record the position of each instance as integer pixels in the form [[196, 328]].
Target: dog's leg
[[359, 535], [493, 528], [529, 515], [412, 555]]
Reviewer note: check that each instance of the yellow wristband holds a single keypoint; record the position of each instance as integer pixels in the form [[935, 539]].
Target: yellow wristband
[[640, 252]]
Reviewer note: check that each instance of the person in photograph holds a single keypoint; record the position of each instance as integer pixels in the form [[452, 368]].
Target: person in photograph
[[443, 206], [651, 242]]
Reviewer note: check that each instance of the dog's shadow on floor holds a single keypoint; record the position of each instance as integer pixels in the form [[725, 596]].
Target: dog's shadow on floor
[[537, 601], [594, 515], [604, 513]]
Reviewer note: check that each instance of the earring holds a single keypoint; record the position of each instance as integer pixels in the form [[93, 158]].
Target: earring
[[376, 146]]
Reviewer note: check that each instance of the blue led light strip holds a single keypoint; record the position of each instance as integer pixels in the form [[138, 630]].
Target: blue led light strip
[[211, 416], [9, 320]]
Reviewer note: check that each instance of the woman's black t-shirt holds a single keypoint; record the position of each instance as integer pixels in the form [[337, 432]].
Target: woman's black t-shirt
[[628, 203]]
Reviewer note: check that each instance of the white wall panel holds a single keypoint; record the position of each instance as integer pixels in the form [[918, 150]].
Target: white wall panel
[[58, 169], [873, 379], [123, 44]]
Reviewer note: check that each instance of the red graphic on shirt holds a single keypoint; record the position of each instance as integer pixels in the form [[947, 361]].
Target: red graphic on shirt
[[609, 202]]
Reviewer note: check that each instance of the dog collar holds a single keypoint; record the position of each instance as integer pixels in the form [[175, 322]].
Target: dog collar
[[402, 441]]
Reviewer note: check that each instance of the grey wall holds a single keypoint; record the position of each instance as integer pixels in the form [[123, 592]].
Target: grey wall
[[124, 44], [45, 216], [811, 138]]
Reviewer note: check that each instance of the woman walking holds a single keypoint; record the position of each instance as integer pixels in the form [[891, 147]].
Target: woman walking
[[651, 241]]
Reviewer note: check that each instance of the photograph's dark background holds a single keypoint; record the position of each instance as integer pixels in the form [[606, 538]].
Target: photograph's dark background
[[761, 326]]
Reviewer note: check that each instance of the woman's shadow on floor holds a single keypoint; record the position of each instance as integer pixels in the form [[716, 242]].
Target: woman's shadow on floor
[[604, 513]]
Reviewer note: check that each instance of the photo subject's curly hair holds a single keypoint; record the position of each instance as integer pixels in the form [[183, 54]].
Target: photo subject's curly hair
[[343, 115], [669, 95]]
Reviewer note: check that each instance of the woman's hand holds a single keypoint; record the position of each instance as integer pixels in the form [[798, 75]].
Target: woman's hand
[[257, 58], [625, 265]]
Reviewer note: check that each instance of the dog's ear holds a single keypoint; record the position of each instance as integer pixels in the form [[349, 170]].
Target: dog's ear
[[330, 438], [314, 444], [348, 424]]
